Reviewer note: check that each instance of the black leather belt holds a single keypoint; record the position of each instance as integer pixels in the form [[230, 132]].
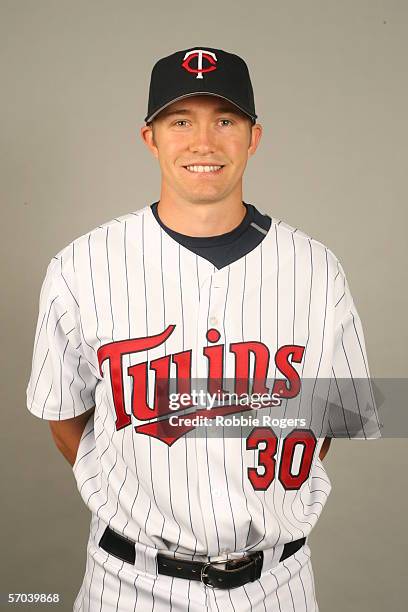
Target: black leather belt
[[236, 572]]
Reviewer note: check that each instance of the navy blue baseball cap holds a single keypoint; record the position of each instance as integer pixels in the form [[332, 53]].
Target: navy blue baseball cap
[[200, 71]]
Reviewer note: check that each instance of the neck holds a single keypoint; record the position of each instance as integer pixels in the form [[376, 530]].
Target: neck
[[201, 218]]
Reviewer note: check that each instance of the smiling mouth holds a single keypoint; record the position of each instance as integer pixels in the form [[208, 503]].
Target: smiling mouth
[[204, 170]]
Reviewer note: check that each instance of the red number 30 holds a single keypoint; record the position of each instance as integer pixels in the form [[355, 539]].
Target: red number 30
[[303, 437]]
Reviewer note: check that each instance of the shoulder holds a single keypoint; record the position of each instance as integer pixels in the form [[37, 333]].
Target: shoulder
[[302, 242], [99, 231], [117, 224], [74, 259]]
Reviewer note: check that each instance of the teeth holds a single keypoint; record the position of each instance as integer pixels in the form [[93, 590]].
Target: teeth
[[203, 168]]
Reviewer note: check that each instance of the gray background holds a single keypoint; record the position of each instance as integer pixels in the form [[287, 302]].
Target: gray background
[[331, 92]]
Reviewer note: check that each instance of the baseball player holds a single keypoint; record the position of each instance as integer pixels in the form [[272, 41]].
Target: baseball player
[[190, 511]]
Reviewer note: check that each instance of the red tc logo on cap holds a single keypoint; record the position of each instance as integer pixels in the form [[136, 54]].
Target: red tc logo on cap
[[199, 54]]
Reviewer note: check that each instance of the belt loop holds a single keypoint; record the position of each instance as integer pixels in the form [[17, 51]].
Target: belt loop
[[271, 557], [146, 558]]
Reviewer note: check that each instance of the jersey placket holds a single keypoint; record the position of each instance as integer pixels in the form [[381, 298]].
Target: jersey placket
[[219, 529]]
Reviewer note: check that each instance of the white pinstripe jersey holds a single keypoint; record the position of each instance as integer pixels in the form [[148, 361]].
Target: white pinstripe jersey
[[126, 302]]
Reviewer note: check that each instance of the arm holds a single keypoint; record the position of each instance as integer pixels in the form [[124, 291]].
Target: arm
[[67, 434], [325, 448]]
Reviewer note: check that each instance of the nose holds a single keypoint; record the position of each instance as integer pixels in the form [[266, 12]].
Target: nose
[[202, 140]]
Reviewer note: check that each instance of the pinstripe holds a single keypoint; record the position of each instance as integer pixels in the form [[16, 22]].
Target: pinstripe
[[294, 528], [361, 341], [277, 343], [206, 445], [223, 432], [46, 354], [301, 581], [290, 578], [147, 353], [185, 438], [243, 338]]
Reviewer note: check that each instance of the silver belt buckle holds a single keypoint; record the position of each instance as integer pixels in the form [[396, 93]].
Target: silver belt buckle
[[204, 575]]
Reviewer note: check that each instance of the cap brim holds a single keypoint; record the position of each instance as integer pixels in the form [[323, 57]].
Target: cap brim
[[149, 118]]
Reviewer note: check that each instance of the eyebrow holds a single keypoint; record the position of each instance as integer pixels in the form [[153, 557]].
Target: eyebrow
[[187, 111]]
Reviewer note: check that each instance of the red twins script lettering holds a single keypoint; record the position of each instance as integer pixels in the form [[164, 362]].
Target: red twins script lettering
[[242, 351]]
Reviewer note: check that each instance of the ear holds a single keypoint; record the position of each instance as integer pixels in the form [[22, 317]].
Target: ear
[[256, 134], [147, 135]]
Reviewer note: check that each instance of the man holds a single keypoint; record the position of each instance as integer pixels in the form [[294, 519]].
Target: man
[[198, 287]]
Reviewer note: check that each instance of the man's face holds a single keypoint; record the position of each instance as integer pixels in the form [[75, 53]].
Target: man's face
[[202, 130]]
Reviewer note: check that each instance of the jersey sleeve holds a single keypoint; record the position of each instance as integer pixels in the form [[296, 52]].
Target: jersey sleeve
[[353, 411], [61, 384]]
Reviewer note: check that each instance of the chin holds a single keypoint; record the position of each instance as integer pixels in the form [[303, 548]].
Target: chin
[[197, 199]]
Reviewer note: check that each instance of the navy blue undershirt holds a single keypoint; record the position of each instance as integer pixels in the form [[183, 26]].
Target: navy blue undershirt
[[225, 248]]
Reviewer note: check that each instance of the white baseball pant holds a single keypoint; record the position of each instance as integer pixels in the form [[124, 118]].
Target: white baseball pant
[[112, 585]]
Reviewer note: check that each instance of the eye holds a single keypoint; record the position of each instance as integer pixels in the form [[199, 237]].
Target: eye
[[179, 121]]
